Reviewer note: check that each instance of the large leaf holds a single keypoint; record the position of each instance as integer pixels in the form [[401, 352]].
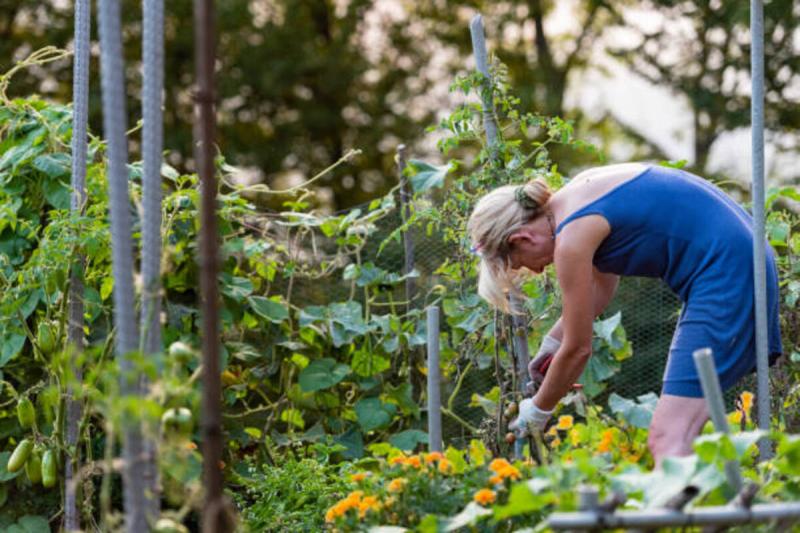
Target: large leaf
[[34, 524], [471, 514], [271, 310], [424, 176], [321, 374], [409, 439], [12, 345], [637, 413], [373, 413], [353, 442], [235, 287], [367, 363]]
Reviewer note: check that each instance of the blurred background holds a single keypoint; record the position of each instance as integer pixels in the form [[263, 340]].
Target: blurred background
[[303, 81]]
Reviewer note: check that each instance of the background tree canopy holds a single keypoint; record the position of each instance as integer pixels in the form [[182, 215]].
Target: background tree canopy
[[301, 82]]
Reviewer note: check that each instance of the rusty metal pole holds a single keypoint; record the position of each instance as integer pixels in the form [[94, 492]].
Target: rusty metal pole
[[214, 510]]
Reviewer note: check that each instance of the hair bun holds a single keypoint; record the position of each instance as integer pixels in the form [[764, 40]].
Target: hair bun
[[533, 194]]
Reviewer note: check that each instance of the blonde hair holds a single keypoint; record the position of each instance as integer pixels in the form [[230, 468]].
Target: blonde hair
[[496, 216]]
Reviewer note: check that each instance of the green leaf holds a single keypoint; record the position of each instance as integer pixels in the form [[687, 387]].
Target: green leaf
[[637, 413], [56, 192], [521, 501], [605, 328], [424, 176], [236, 288], [271, 310], [293, 417], [401, 395], [366, 363], [353, 441], [374, 414], [471, 514], [12, 345], [409, 439], [321, 374], [53, 165], [34, 524], [5, 475]]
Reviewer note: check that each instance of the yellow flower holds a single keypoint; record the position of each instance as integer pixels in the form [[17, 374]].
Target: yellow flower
[[564, 422], [735, 417], [445, 466], [574, 437], [369, 503], [484, 496], [552, 432], [747, 401], [414, 461], [433, 456], [396, 485], [359, 476], [498, 464], [606, 439], [555, 442]]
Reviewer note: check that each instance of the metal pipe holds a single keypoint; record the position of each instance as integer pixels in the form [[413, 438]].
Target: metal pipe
[[434, 382], [214, 510], [405, 214], [704, 361], [482, 65], [719, 515], [759, 234]]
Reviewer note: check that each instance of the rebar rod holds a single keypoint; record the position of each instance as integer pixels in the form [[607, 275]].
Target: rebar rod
[[434, 382], [759, 234], [152, 144], [125, 323], [75, 336], [704, 361]]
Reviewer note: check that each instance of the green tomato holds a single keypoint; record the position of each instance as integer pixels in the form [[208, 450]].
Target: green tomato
[[26, 414], [46, 337], [20, 455], [181, 352], [177, 420], [33, 468], [49, 469]]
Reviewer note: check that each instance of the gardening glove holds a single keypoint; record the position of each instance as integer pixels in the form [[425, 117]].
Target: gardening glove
[[538, 366], [530, 417]]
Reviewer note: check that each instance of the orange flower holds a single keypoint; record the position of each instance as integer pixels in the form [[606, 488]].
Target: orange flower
[[510, 472], [397, 460], [498, 464], [359, 476], [606, 439], [396, 485], [369, 503], [565, 422], [190, 445], [485, 496], [341, 507], [445, 466], [747, 401], [555, 442], [433, 456], [354, 497], [552, 432], [414, 461], [496, 479]]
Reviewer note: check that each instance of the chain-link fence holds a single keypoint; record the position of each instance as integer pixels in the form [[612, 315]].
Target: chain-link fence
[[649, 314]]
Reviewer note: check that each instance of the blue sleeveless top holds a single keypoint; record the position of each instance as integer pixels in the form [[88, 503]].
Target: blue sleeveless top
[[670, 224]]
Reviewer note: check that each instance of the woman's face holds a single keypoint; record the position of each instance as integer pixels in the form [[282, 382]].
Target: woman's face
[[530, 248]]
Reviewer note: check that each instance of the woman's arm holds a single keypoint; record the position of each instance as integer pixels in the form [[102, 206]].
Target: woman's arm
[[583, 294]]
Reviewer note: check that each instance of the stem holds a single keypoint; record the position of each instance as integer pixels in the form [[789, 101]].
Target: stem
[[472, 429]]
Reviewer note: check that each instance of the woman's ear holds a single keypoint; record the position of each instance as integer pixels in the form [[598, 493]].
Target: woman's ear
[[519, 236]]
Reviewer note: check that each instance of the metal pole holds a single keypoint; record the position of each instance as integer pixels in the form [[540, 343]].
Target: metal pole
[[75, 338], [704, 361], [214, 519], [657, 518], [759, 234], [127, 338], [434, 382], [152, 144], [405, 213]]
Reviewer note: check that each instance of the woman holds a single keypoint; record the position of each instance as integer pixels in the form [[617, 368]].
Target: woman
[[635, 220]]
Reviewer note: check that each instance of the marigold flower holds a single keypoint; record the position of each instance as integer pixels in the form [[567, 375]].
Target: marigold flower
[[606, 439], [484, 496], [510, 472], [359, 476], [397, 484], [369, 503], [574, 437], [498, 464], [414, 461], [556, 442], [445, 466], [433, 456], [552, 432], [496, 479], [735, 417], [565, 422], [747, 400], [354, 497], [397, 460]]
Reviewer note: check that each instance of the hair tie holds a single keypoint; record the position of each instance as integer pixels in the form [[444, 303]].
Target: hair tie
[[523, 199]]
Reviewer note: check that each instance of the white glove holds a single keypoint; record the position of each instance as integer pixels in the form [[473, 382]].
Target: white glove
[[548, 348], [530, 416]]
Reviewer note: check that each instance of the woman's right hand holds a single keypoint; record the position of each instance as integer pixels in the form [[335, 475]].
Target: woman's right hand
[[538, 366]]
